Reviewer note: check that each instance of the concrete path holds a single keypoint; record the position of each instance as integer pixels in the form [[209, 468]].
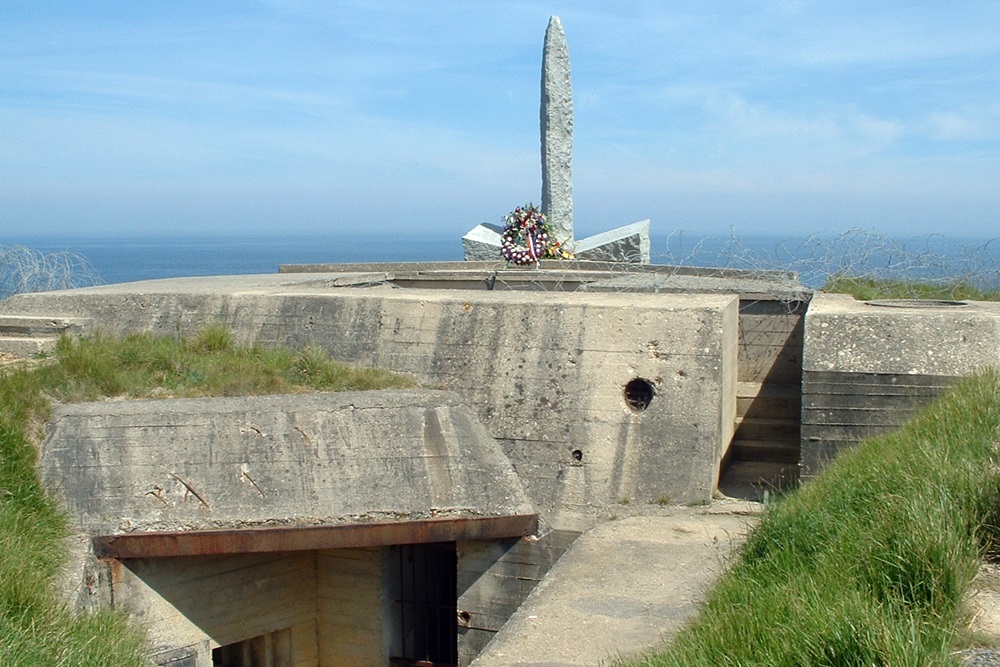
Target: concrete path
[[623, 587]]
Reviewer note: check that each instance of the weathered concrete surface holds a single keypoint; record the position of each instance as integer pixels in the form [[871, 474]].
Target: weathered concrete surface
[[563, 276], [844, 335], [296, 460], [29, 336], [494, 578], [623, 587], [557, 132], [545, 372], [867, 367]]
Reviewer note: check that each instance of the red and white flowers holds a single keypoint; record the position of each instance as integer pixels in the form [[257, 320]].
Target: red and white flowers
[[528, 239]]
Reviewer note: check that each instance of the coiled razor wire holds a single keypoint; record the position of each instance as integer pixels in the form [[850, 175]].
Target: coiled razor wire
[[860, 254], [25, 270]]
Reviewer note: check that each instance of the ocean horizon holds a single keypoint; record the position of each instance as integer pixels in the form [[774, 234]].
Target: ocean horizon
[[118, 259]]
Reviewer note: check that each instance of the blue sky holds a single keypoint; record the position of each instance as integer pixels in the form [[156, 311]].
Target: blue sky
[[276, 116]]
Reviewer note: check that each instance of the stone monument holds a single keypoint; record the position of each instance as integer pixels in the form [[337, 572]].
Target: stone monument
[[625, 244], [557, 132]]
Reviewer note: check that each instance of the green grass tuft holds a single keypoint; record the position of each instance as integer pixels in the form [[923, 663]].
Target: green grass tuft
[[868, 563], [35, 628], [866, 289]]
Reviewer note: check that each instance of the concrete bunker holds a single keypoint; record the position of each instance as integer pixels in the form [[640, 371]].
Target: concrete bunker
[[543, 371], [297, 530], [542, 367]]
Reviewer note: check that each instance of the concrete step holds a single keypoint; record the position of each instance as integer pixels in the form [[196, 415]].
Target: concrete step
[[24, 346], [31, 325], [28, 336], [774, 451], [767, 390], [769, 408], [758, 481], [768, 401], [752, 428]]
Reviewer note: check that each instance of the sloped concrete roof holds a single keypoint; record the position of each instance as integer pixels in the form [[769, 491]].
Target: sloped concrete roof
[[222, 466]]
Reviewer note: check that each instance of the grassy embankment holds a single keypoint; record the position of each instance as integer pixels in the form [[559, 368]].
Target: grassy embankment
[[35, 628], [868, 563], [866, 289]]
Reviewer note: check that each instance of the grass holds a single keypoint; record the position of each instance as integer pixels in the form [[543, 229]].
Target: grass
[[36, 629], [866, 289], [868, 563]]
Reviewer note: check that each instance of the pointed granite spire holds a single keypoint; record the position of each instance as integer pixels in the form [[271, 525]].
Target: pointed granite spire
[[557, 132]]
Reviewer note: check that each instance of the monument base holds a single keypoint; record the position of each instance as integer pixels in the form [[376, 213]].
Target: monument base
[[628, 244]]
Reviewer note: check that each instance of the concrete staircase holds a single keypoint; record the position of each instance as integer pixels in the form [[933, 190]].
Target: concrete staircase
[[767, 422], [29, 336]]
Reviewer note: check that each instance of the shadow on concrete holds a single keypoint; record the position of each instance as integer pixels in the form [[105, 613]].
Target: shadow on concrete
[[758, 481]]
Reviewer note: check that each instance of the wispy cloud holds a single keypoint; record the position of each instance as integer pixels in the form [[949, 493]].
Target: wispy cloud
[[426, 102]]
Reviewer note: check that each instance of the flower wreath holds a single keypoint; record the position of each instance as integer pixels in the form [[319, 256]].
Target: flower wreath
[[527, 237]]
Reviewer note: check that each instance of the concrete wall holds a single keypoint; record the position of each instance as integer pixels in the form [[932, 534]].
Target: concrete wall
[[331, 607], [324, 608], [191, 605], [351, 607], [225, 473], [494, 578], [867, 367], [545, 372]]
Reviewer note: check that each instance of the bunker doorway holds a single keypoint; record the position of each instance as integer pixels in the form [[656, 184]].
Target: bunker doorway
[[425, 613]]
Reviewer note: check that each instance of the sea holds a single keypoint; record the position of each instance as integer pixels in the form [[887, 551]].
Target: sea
[[117, 259]]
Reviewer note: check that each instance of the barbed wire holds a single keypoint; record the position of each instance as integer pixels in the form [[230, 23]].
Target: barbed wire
[[933, 264], [856, 253], [818, 260], [26, 270]]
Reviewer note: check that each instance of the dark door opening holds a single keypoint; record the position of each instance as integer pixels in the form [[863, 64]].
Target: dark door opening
[[426, 605]]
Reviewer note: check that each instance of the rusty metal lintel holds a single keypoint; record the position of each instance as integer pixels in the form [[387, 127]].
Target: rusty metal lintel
[[257, 540]]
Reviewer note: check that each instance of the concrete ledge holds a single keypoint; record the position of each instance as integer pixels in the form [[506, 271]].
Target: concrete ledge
[[266, 540], [848, 336], [290, 462]]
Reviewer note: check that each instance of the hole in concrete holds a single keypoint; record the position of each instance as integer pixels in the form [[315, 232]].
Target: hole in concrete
[[639, 394], [915, 303], [577, 455]]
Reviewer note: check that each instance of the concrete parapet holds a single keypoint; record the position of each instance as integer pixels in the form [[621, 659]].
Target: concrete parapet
[[868, 365]]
